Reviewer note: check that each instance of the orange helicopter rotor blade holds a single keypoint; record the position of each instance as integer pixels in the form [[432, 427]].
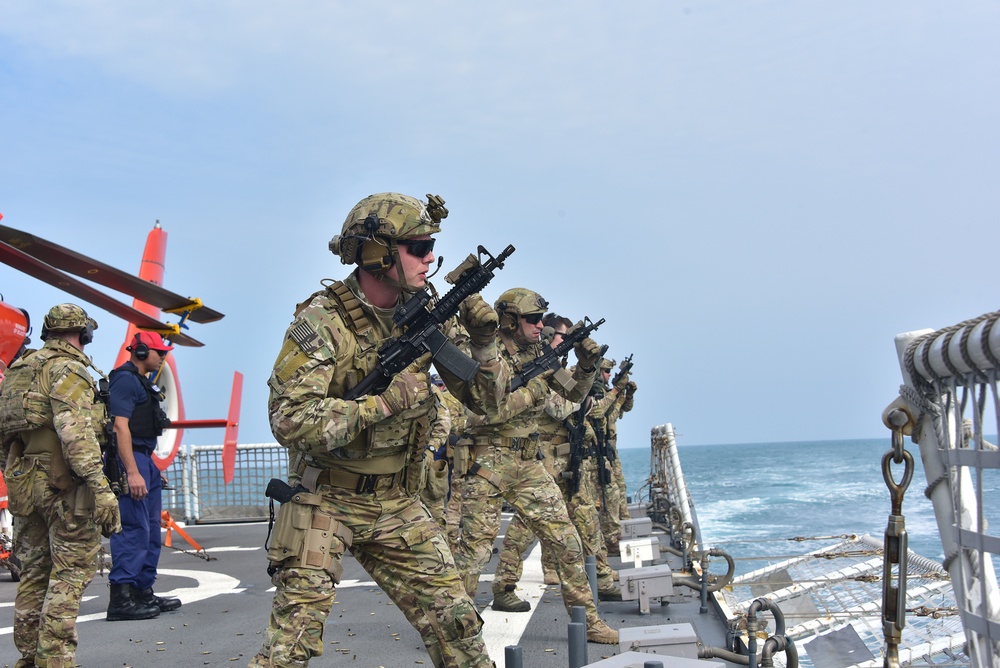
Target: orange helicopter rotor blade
[[34, 267], [80, 265]]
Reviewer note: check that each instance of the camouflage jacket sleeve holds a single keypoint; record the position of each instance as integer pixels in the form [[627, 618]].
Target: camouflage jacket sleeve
[[442, 422], [603, 406], [315, 352], [582, 382], [71, 396], [486, 391], [628, 403], [559, 408]]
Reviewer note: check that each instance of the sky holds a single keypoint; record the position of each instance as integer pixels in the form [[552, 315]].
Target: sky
[[757, 196]]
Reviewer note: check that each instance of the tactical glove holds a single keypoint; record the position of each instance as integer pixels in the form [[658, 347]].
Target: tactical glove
[[406, 391], [622, 383], [106, 513], [588, 353], [479, 319], [631, 387]]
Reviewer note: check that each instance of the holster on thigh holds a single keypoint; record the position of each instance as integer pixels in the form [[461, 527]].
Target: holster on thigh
[[305, 535]]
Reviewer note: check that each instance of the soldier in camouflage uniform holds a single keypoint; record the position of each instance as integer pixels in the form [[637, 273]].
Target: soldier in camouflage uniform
[[554, 442], [604, 492], [50, 425], [351, 455], [618, 505], [506, 467]]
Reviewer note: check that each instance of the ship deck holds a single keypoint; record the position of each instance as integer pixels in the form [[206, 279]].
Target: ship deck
[[226, 601]]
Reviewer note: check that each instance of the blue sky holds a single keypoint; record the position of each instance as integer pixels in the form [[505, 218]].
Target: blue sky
[[757, 196]]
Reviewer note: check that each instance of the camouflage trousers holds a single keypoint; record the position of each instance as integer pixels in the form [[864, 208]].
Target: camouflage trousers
[[58, 554], [582, 513], [617, 506], [402, 548], [608, 501], [453, 513], [533, 494]]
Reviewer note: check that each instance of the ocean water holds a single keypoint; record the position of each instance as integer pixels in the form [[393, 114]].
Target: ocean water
[[750, 498]]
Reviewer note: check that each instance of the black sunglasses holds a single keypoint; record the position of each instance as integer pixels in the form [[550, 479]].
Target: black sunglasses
[[417, 247], [532, 319]]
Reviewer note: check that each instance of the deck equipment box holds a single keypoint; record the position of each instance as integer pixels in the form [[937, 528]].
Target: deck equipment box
[[674, 640], [638, 550], [640, 659], [644, 584], [637, 528]]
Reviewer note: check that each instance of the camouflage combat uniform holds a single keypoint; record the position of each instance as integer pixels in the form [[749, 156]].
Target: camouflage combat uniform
[[507, 468], [555, 444], [619, 506], [604, 493], [58, 540], [354, 457]]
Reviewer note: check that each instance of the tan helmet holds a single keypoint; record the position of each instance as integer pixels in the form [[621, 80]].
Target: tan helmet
[[517, 302], [607, 364], [69, 318], [371, 229]]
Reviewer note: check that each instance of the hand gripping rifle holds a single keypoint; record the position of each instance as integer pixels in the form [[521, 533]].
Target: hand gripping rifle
[[422, 331], [550, 358], [623, 370], [114, 470]]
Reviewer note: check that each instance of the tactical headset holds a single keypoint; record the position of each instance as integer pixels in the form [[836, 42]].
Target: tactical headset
[[140, 349], [86, 332]]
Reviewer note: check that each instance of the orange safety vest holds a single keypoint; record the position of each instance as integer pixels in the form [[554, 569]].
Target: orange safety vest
[[3, 492]]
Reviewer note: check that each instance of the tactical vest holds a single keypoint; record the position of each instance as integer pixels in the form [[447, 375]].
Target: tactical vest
[[356, 356], [25, 406], [148, 418], [24, 397]]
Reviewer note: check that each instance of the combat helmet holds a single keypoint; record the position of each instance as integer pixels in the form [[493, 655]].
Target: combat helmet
[[369, 234], [69, 318], [518, 302], [607, 364]]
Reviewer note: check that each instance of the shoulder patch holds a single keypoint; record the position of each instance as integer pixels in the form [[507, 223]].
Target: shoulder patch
[[305, 336]]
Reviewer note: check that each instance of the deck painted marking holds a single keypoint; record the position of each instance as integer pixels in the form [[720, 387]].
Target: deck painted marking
[[209, 584], [211, 551], [501, 629]]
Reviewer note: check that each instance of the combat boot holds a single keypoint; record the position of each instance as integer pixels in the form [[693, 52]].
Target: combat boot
[[600, 632], [507, 601], [123, 608], [609, 593], [147, 597]]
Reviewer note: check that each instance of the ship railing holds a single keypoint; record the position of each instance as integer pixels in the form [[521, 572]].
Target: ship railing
[[196, 491], [950, 402], [667, 487]]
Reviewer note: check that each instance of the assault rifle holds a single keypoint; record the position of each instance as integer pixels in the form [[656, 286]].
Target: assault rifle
[[114, 470], [623, 369], [550, 358], [577, 432], [422, 331]]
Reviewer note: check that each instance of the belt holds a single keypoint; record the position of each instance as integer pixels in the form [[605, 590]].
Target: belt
[[512, 442], [362, 483]]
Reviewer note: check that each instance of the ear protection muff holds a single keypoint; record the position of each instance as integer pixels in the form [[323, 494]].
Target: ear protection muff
[[86, 334], [376, 256], [140, 349], [508, 321]]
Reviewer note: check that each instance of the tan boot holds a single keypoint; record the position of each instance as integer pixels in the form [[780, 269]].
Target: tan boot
[[550, 577], [600, 632], [506, 600]]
